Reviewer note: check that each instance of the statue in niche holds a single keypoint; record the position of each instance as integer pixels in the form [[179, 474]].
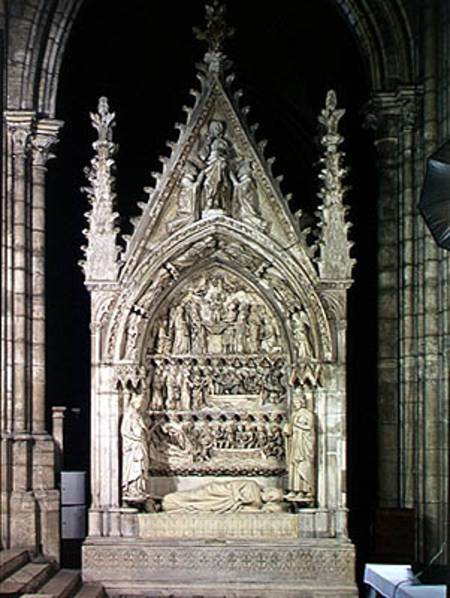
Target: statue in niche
[[225, 497], [300, 328], [179, 331], [217, 186], [134, 448], [187, 199], [246, 194], [300, 435]]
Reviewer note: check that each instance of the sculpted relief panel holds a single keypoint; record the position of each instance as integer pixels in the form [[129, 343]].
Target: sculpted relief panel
[[217, 381], [213, 396]]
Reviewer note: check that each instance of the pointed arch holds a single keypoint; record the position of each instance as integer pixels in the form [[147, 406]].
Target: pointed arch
[[38, 37]]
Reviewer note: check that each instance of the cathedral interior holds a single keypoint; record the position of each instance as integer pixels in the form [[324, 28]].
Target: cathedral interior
[[389, 64]]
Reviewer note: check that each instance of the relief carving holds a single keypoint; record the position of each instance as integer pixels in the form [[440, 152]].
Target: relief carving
[[216, 444], [217, 314], [217, 180]]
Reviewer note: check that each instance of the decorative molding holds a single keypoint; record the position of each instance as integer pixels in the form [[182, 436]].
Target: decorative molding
[[250, 526]]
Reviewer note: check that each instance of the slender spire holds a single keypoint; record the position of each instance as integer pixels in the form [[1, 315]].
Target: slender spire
[[215, 34], [334, 261], [102, 252]]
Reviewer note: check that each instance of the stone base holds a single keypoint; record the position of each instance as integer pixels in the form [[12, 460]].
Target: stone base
[[29, 502], [300, 568]]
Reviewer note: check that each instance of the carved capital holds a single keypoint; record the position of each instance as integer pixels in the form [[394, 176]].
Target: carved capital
[[386, 113], [44, 138], [19, 126]]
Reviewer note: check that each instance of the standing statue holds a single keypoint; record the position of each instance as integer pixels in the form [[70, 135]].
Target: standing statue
[[135, 463], [300, 434], [185, 389], [269, 334], [246, 194], [300, 329], [179, 331], [229, 334], [162, 339], [242, 328], [217, 186], [132, 333], [254, 329], [187, 199]]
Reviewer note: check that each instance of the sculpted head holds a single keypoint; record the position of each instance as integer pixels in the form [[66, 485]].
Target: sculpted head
[[272, 494], [216, 128]]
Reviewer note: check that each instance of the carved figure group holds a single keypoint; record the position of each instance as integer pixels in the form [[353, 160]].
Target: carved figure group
[[190, 439], [224, 182], [216, 315], [178, 383], [176, 387]]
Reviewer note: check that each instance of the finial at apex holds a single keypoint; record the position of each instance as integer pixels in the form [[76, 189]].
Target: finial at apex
[[103, 120], [216, 30]]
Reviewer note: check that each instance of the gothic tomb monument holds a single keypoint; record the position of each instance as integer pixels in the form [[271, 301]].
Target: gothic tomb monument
[[218, 365]]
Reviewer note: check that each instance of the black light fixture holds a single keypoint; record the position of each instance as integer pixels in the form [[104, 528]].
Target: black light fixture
[[434, 202]]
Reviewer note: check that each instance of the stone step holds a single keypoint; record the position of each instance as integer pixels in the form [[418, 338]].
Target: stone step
[[61, 585], [11, 560], [27, 579], [90, 590]]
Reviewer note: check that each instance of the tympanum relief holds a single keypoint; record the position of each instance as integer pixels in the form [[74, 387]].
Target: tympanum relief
[[218, 372], [222, 396]]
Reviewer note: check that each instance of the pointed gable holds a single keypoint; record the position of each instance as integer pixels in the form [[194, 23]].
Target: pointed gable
[[216, 171]]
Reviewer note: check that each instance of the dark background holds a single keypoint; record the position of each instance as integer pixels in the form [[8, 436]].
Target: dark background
[[141, 55]]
